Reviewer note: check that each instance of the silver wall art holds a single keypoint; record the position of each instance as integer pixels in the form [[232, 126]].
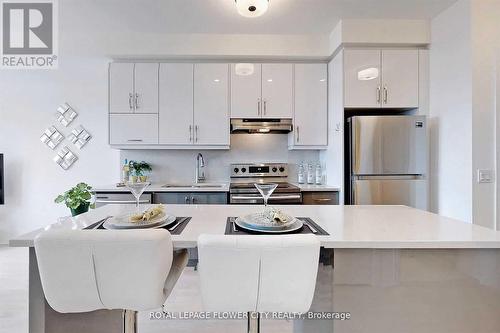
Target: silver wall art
[[65, 114], [65, 158], [79, 136], [51, 137]]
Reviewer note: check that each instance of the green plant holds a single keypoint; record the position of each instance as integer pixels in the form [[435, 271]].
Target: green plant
[[139, 167], [76, 197]]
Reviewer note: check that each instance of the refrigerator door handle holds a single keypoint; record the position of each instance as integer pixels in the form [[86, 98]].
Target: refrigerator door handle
[[389, 177]]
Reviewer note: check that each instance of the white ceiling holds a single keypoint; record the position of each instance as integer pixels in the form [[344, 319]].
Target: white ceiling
[[283, 17]]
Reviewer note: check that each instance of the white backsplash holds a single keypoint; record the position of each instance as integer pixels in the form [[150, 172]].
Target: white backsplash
[[179, 165]]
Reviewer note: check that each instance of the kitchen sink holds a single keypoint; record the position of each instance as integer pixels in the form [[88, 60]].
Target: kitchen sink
[[193, 185]]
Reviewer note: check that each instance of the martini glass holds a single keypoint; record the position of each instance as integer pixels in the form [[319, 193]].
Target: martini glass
[[265, 190], [137, 188]]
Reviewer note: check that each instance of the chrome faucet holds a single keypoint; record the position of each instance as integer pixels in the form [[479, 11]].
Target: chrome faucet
[[200, 168]]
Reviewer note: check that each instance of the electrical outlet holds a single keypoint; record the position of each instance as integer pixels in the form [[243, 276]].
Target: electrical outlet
[[485, 176]]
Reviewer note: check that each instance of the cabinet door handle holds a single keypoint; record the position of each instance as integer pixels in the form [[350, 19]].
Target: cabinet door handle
[[134, 140], [136, 101], [378, 94], [130, 96], [190, 133], [186, 200], [265, 107], [258, 106], [193, 200], [196, 133], [298, 133], [386, 94]]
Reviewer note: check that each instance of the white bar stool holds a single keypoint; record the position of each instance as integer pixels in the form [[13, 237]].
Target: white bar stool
[[258, 274], [87, 270]]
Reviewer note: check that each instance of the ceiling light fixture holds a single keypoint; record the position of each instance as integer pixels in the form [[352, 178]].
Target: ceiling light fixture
[[251, 8], [244, 69]]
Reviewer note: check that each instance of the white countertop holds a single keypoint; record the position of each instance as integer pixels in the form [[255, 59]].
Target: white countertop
[[317, 188], [206, 187], [159, 187], [349, 226]]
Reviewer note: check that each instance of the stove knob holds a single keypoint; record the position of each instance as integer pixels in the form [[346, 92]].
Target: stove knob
[[236, 170], [275, 169], [282, 169], [243, 169]]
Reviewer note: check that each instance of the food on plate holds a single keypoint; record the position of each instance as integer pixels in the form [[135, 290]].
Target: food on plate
[[148, 215], [275, 215]]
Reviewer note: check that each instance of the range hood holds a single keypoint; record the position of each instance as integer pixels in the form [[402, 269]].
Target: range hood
[[263, 126]]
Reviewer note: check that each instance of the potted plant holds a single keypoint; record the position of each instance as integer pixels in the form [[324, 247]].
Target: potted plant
[[138, 171], [77, 199]]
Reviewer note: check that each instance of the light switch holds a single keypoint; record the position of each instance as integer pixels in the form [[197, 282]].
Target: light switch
[[485, 176]]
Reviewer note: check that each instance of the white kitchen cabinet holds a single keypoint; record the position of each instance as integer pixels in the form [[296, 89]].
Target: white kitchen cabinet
[[246, 92], [176, 104], [277, 90], [362, 78], [375, 78], [310, 115], [400, 78], [133, 88], [121, 88], [211, 104], [146, 87], [133, 129]]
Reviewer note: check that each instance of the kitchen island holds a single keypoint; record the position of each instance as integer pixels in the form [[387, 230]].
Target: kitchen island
[[393, 268]]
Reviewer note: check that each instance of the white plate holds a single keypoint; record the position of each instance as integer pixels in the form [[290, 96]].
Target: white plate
[[296, 225], [123, 222]]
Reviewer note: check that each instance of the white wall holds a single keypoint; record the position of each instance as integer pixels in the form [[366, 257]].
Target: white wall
[[179, 165], [450, 113], [463, 58], [485, 45], [379, 32], [28, 101]]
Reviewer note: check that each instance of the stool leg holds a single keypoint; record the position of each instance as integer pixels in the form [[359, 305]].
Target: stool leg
[[130, 321], [253, 322]]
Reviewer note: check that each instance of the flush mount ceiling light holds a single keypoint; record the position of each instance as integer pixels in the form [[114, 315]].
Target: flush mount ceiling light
[[368, 74], [251, 8], [244, 69]]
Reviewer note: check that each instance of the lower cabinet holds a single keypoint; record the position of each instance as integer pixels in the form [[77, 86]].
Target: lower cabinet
[[320, 198], [191, 198], [119, 198]]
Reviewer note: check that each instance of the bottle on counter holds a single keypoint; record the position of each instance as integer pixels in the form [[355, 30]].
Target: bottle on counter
[[125, 172], [310, 174], [301, 175], [319, 174]]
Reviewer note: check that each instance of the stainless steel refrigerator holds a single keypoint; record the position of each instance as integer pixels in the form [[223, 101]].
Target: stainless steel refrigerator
[[387, 161]]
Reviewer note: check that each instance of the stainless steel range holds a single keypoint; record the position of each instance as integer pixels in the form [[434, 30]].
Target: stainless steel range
[[245, 175]]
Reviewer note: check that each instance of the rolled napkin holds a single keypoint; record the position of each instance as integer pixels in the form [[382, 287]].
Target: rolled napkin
[[148, 214]]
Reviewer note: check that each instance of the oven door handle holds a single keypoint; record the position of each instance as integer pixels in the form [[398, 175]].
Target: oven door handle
[[290, 196]]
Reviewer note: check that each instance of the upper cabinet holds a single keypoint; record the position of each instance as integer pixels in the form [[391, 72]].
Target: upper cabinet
[[176, 104], [121, 88], [246, 90], [211, 104], [381, 78], [277, 90], [400, 78], [133, 88], [146, 88], [310, 115], [261, 90]]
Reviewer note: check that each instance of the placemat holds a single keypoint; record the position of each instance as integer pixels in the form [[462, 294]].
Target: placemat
[[176, 231], [233, 229]]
